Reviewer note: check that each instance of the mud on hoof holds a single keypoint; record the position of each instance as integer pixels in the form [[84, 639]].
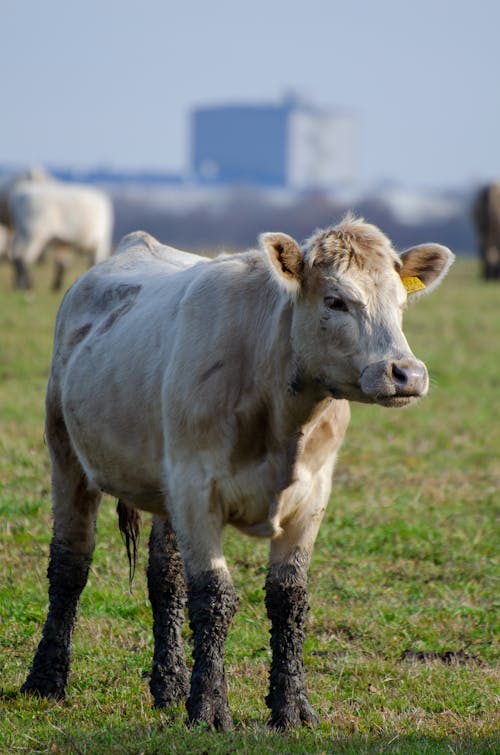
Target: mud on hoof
[[41, 686], [49, 672], [167, 688], [293, 713], [212, 602], [213, 712]]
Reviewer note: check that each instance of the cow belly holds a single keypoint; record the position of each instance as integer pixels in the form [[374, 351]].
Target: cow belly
[[122, 459], [122, 473]]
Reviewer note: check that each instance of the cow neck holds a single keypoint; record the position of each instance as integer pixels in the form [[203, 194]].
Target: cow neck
[[294, 395], [301, 403]]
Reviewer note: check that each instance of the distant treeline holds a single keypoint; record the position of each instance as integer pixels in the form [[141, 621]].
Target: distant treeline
[[236, 221]]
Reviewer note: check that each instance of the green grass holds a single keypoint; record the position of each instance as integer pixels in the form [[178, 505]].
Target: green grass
[[405, 564]]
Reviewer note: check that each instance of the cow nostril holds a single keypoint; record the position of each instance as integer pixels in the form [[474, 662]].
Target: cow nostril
[[399, 375]]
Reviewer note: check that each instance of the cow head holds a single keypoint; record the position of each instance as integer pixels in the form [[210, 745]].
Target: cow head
[[349, 289]]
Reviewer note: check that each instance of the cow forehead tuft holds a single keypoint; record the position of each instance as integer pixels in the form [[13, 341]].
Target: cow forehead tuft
[[351, 243]]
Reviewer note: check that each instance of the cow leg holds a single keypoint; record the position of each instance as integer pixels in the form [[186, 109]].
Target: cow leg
[[170, 678], [287, 607], [74, 510], [22, 278], [212, 604], [212, 598], [60, 266], [62, 262], [493, 261], [24, 253]]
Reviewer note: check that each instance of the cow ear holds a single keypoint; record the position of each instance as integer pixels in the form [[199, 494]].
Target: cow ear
[[286, 259], [424, 267]]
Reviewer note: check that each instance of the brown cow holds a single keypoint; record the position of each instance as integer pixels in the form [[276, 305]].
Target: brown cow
[[486, 216], [212, 393]]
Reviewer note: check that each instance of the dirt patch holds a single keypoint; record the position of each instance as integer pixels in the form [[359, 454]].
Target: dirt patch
[[450, 657]]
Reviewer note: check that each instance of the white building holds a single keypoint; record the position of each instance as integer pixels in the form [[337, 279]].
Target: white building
[[291, 145]]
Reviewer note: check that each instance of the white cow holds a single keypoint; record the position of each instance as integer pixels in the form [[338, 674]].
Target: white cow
[[50, 212], [213, 393], [7, 183]]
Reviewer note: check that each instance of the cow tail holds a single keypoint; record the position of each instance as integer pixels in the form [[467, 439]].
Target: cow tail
[[129, 522]]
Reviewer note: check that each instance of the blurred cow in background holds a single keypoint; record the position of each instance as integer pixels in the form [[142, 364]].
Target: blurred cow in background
[[5, 187], [46, 212], [486, 216], [7, 183], [4, 240]]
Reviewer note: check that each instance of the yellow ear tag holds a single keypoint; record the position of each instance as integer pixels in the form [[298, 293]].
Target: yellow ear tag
[[412, 284]]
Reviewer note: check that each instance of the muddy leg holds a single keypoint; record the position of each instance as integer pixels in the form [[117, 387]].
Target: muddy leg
[[59, 270], [74, 510], [287, 607], [25, 252], [62, 261], [170, 677], [212, 603], [22, 278], [198, 523], [67, 575]]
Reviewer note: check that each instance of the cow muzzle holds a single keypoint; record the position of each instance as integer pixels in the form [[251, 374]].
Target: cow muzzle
[[395, 382]]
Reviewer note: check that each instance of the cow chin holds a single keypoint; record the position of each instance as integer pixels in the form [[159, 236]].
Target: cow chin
[[356, 393], [394, 402]]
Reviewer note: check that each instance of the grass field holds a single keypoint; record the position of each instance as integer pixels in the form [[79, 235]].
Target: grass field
[[402, 647]]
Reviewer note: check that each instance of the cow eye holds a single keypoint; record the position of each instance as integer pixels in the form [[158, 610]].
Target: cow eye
[[336, 303]]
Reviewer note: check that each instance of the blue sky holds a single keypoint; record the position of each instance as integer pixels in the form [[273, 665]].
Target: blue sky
[[93, 82]]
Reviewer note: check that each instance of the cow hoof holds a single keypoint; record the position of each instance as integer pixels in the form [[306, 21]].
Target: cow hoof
[[222, 724], [216, 718], [43, 688], [292, 715]]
